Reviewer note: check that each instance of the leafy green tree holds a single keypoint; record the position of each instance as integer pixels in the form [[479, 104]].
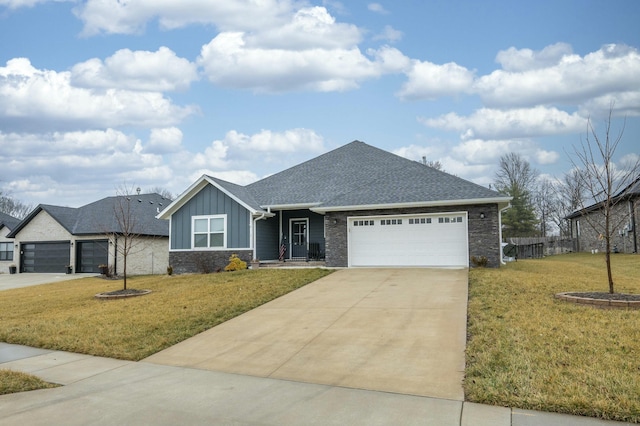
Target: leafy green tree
[[516, 178]]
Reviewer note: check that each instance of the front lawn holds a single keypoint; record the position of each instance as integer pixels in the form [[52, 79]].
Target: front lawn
[[66, 316], [528, 350], [14, 381]]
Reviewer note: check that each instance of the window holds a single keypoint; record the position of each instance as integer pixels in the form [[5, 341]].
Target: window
[[209, 231], [6, 251]]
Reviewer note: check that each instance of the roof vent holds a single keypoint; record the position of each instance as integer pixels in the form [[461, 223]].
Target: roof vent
[[138, 190], [157, 209], [150, 202], [139, 200]]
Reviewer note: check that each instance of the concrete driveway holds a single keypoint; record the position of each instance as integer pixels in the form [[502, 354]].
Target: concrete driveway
[[393, 330], [9, 281]]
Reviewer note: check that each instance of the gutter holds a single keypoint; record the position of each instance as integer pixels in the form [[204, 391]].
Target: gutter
[[439, 203]]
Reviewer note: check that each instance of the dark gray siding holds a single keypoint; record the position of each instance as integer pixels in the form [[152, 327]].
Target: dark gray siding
[[211, 201], [267, 243], [316, 226]]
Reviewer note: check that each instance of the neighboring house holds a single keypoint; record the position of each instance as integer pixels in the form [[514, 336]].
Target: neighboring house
[[51, 238], [7, 223], [624, 218], [354, 206]]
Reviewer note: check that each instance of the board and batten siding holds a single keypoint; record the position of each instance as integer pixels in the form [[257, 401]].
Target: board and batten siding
[[209, 201], [267, 244]]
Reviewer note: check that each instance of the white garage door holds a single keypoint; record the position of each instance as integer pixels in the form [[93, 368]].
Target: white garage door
[[437, 240]]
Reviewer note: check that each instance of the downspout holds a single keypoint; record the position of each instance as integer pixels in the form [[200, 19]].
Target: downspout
[[255, 233], [115, 254], [502, 262]]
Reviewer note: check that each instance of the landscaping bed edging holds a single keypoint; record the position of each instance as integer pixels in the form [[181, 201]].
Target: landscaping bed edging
[[599, 303], [121, 294]]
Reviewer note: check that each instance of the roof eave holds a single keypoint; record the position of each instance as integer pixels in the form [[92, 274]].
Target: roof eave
[[501, 201], [298, 206], [193, 190]]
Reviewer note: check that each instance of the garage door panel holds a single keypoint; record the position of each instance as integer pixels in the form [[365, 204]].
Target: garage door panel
[[421, 240], [45, 257]]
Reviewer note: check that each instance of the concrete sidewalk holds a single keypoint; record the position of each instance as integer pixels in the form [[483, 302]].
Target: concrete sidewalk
[[104, 391]]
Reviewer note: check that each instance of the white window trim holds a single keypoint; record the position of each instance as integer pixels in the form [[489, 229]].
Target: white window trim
[[208, 217]]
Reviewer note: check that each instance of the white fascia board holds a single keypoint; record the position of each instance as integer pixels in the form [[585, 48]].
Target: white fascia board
[[196, 187], [501, 201], [303, 206]]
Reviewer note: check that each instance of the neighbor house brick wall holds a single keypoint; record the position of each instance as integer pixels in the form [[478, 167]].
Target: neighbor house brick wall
[[589, 237], [483, 233], [149, 255], [204, 261]]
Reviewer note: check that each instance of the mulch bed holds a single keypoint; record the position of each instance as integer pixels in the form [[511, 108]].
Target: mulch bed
[[608, 296], [120, 294]]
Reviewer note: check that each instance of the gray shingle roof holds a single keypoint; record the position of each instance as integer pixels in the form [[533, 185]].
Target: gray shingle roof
[[240, 192], [358, 174], [9, 221], [99, 216]]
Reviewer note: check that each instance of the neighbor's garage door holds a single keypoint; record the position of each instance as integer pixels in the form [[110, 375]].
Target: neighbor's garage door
[[437, 240], [91, 254], [45, 257]]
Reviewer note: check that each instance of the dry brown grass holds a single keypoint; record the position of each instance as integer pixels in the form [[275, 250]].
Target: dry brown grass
[[66, 316], [529, 350], [13, 381]]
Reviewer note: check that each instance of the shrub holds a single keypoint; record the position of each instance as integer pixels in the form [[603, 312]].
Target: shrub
[[479, 261], [169, 270], [235, 264]]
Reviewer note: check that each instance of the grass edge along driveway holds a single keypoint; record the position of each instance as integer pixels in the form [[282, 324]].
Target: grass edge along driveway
[[528, 350], [66, 316]]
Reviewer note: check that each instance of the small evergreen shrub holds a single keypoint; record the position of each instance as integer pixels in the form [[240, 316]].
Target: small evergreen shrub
[[235, 264]]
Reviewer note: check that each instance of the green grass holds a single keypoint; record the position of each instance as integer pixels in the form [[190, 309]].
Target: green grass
[[66, 316], [528, 350]]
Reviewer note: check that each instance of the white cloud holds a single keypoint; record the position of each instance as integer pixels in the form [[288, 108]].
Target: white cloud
[[164, 141], [46, 100], [487, 123], [377, 8], [229, 61], [488, 152], [267, 141], [427, 80], [114, 16], [309, 28], [140, 71], [515, 60], [16, 4], [389, 34], [557, 76]]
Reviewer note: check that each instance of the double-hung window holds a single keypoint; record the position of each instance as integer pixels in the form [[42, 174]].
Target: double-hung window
[[6, 251], [209, 231]]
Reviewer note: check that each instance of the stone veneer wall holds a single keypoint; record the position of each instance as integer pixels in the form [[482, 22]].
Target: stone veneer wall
[[483, 233], [204, 261]]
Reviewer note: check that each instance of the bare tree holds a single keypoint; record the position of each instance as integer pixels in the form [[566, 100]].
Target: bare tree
[[569, 196], [128, 228], [13, 207], [604, 183], [164, 192], [434, 164], [544, 205]]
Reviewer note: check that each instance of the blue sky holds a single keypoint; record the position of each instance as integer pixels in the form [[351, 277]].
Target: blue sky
[[99, 93]]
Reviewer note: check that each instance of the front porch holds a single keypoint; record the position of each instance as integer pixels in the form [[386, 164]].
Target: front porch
[[291, 236], [293, 264]]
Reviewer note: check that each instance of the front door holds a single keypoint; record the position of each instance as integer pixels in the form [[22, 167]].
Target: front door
[[299, 238]]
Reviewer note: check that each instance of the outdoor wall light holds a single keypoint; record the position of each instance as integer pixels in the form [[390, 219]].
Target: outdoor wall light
[[335, 221], [482, 215]]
